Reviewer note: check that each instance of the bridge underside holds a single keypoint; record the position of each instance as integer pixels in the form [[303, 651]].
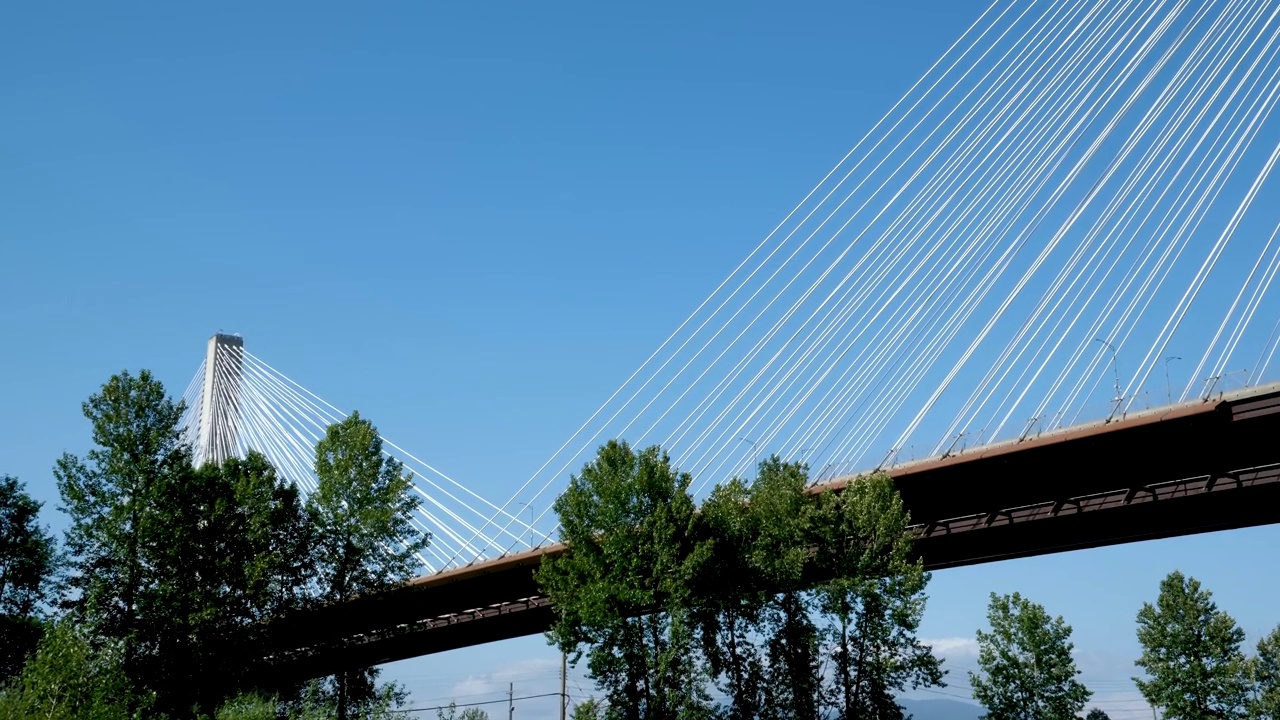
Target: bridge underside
[[1185, 469]]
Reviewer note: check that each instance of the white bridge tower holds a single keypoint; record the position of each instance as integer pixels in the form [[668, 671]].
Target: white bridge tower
[[219, 419]]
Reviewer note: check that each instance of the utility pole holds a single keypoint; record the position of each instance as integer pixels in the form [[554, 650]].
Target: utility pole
[[511, 700], [564, 680]]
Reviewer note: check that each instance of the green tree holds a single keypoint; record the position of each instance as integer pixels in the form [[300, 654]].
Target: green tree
[[589, 709], [792, 651], [235, 554], [1096, 714], [1265, 704], [365, 540], [622, 587], [1191, 654], [247, 707], [28, 574], [314, 704], [1027, 671], [181, 566], [267, 538], [782, 554], [451, 713], [763, 645], [873, 603], [67, 679], [731, 599], [112, 499]]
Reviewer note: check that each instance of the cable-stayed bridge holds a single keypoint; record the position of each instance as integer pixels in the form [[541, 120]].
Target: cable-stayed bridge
[[1063, 236]]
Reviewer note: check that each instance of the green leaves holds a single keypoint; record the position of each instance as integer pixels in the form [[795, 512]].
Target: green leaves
[[1028, 672], [589, 709], [235, 552], [67, 679], [364, 538], [176, 570], [873, 603], [183, 566], [664, 600], [361, 512], [29, 565], [28, 553], [1265, 704], [622, 589], [178, 565], [119, 512], [451, 713], [1191, 654]]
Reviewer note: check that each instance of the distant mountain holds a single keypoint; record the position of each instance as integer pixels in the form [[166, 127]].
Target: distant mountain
[[941, 710]]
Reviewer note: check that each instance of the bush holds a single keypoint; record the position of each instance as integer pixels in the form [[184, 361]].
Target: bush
[[67, 679]]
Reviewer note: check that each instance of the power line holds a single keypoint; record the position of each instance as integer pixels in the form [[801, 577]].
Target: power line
[[476, 704]]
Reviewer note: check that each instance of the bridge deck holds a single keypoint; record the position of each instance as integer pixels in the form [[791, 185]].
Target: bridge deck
[[1183, 469]]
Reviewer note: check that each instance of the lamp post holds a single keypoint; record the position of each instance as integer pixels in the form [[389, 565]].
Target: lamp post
[[1115, 368], [754, 448], [1168, 387]]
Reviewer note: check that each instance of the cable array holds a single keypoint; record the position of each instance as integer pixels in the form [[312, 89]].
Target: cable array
[[1067, 218], [253, 406]]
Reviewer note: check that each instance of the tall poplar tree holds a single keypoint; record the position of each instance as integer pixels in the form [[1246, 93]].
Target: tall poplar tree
[[28, 566], [1191, 654], [729, 616], [1027, 670], [873, 604], [622, 588], [237, 554], [1265, 704], [113, 499], [781, 555], [364, 539], [753, 584], [178, 567]]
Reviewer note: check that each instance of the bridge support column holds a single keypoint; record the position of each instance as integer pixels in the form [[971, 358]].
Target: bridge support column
[[220, 401]]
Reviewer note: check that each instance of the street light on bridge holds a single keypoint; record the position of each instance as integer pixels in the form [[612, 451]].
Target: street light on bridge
[[1168, 387], [1116, 369]]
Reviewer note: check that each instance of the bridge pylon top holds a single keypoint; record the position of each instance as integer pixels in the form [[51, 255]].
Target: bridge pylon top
[[219, 419]]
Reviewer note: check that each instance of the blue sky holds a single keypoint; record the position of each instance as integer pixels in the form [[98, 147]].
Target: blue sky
[[470, 221]]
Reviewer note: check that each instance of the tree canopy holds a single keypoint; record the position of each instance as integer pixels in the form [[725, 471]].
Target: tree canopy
[[589, 709], [179, 568], [361, 514], [622, 588], [116, 501], [1027, 670], [69, 679], [452, 713], [666, 599], [29, 565], [28, 553], [1265, 703], [874, 601], [1191, 654]]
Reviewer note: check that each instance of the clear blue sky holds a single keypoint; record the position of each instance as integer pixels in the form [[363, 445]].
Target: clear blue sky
[[470, 221]]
